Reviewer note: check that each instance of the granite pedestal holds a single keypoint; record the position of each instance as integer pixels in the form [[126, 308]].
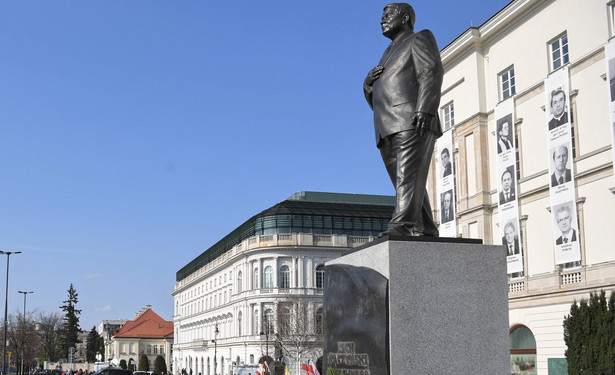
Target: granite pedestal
[[447, 307]]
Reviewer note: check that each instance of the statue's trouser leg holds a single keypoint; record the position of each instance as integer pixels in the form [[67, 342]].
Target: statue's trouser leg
[[407, 156]]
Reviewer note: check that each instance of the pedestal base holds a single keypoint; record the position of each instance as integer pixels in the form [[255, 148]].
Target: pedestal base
[[447, 307]]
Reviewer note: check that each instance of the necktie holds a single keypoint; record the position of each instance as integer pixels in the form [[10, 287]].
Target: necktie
[[561, 180], [507, 196], [510, 249], [565, 240]]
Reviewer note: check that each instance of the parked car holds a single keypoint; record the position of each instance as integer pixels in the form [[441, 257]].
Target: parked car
[[113, 371]]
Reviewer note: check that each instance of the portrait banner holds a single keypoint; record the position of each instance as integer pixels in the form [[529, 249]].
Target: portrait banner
[[610, 71], [561, 175], [508, 204], [446, 185]]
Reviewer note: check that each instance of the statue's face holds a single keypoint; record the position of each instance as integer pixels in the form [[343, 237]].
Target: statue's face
[[391, 22]]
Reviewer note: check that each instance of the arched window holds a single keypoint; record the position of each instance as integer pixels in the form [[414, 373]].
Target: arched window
[[268, 277], [239, 325], [319, 321], [268, 322], [320, 276], [284, 277], [255, 281], [522, 350], [239, 281]]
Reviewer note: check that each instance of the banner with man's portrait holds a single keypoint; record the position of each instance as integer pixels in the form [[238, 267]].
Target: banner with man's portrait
[[446, 184], [610, 71], [508, 205], [561, 172]]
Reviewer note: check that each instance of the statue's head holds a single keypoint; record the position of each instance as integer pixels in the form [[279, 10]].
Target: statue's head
[[396, 18]]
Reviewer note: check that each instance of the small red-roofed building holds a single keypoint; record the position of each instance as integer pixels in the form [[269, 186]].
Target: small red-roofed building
[[147, 334]]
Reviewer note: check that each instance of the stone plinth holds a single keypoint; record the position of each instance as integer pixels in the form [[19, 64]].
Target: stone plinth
[[447, 306]]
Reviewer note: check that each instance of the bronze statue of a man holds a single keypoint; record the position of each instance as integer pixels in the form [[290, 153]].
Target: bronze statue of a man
[[403, 90]]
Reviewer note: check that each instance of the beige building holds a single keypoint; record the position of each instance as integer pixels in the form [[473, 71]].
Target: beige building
[[147, 334], [509, 57]]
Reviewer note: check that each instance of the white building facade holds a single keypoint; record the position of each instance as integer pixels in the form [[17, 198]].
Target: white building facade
[[511, 61], [245, 287]]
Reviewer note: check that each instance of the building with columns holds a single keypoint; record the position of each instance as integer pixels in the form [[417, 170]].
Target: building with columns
[[258, 291], [518, 64]]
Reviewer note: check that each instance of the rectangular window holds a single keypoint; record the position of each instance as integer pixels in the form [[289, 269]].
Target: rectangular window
[[448, 115], [611, 11], [558, 51], [507, 83]]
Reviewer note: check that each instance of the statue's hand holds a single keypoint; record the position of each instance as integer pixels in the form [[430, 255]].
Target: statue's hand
[[373, 75], [422, 122]]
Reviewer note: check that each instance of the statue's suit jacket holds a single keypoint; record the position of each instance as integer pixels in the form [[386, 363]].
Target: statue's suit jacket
[[411, 82]]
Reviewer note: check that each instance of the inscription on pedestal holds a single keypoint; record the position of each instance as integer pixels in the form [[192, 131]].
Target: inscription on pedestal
[[347, 360], [356, 314]]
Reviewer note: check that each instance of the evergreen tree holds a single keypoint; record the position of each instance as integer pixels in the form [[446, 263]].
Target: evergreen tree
[[160, 365], [131, 367], [70, 326], [123, 364], [91, 345], [589, 334], [143, 363], [100, 347]]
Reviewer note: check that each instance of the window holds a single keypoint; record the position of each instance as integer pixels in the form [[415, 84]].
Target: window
[[507, 83], [149, 349], [320, 275], [239, 324], [319, 321], [558, 50], [286, 321], [255, 330], [155, 349], [239, 281], [268, 326], [256, 278], [522, 349], [161, 349], [448, 114], [268, 277], [611, 10], [284, 277]]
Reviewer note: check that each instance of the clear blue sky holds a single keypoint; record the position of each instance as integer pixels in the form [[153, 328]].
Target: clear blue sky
[[135, 134]]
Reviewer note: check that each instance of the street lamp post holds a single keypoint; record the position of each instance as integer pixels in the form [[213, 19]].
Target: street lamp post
[[24, 324], [266, 334], [6, 306], [215, 341]]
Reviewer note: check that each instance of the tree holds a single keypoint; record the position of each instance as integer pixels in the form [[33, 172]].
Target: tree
[[91, 346], [160, 365], [100, 347], [589, 334], [123, 364], [49, 329], [143, 363], [299, 335], [70, 326], [23, 340], [131, 366]]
